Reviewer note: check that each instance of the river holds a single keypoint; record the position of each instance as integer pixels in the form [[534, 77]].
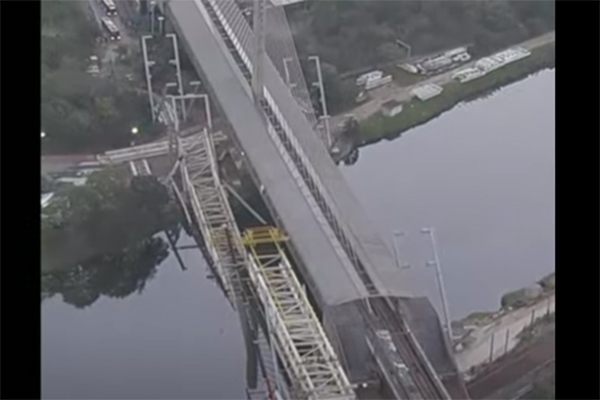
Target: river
[[482, 175]]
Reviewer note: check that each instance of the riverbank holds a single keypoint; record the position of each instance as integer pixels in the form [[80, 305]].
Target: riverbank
[[416, 112], [483, 337]]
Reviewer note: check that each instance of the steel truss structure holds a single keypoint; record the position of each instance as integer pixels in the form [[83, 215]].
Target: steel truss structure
[[309, 359], [212, 213], [140, 167], [139, 152]]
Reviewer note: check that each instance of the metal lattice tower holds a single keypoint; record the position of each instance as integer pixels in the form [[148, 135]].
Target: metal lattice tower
[[310, 361], [212, 213], [140, 167]]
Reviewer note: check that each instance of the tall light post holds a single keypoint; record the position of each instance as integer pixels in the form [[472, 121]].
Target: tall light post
[[175, 62], [406, 46], [395, 236], [147, 65], [319, 84], [152, 10], [161, 20], [288, 79], [439, 278], [196, 85]]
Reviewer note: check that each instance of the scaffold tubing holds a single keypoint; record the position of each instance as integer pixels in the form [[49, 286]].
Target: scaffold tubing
[[309, 358]]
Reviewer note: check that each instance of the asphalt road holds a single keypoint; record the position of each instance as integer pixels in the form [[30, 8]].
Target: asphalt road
[[110, 49], [389, 92]]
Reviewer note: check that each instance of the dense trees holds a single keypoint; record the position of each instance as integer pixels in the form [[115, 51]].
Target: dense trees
[[104, 215], [353, 34], [80, 112]]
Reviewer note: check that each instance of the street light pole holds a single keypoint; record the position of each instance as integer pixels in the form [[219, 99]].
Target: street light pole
[[319, 84], [196, 85], [440, 281], [395, 235], [288, 79], [147, 65], [177, 65]]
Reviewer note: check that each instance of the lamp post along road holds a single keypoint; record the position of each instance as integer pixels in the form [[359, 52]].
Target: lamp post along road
[[395, 236], [286, 69], [440, 281], [319, 84]]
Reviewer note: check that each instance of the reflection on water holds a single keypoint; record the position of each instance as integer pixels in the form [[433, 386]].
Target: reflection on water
[[483, 176], [179, 339], [117, 274]]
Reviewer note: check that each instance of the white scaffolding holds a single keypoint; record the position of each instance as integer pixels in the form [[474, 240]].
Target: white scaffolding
[[212, 212], [309, 359]]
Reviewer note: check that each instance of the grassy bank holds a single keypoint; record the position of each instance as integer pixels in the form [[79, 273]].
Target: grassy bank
[[417, 112]]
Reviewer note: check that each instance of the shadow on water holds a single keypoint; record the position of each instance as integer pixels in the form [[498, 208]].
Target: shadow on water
[[115, 275]]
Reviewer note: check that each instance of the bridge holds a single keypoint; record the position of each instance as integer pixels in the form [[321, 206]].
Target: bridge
[[337, 316]]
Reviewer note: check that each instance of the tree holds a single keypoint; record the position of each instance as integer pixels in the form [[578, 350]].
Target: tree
[[356, 34], [80, 112], [105, 214]]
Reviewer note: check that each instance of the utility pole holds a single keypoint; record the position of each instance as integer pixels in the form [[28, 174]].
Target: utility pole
[[440, 281], [177, 65], [152, 16], [396, 235], [406, 46], [319, 84], [259, 8], [288, 79], [147, 65]]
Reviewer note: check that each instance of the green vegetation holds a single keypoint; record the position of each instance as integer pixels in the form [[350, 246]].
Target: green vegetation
[[515, 299], [102, 216], [478, 318], [417, 112], [356, 34], [81, 112], [548, 283], [340, 93]]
